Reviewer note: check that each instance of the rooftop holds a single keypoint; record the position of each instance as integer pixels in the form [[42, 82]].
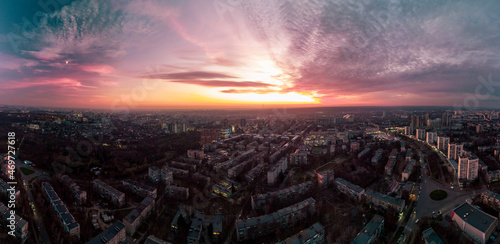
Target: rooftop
[[349, 184], [367, 232], [431, 237], [475, 217], [108, 233]]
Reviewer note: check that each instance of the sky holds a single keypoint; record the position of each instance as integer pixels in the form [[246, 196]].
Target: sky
[[128, 54]]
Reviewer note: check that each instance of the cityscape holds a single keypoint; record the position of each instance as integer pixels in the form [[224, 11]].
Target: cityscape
[[230, 121]]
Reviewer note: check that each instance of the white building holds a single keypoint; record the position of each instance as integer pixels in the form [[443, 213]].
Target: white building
[[455, 151], [280, 166], [420, 134], [468, 168], [442, 143], [431, 137], [476, 223]]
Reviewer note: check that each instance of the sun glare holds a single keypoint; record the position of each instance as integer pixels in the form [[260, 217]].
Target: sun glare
[[291, 97]]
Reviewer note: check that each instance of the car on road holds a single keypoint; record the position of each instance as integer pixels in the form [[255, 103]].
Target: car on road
[[416, 221]]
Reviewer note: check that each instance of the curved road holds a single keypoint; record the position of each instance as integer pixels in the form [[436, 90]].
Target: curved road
[[425, 205]]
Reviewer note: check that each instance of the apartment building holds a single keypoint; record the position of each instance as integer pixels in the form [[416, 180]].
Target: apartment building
[[138, 214], [61, 211], [348, 188], [291, 193], [117, 197], [251, 228]]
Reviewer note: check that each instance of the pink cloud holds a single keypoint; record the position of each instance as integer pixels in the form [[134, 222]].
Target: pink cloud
[[97, 68], [57, 82], [47, 53], [257, 91]]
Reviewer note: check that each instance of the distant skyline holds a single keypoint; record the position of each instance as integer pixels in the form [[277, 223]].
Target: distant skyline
[[184, 54]]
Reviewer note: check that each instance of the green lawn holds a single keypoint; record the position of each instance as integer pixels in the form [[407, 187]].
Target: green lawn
[[438, 195], [27, 171]]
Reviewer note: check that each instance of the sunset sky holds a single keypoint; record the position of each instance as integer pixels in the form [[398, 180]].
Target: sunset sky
[[231, 53]]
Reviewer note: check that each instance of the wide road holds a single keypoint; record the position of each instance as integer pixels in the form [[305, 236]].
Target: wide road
[[426, 206]]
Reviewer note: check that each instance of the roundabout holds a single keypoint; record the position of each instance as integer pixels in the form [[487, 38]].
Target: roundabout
[[438, 195]]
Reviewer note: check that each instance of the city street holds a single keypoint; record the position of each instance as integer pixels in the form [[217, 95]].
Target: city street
[[426, 206], [37, 175]]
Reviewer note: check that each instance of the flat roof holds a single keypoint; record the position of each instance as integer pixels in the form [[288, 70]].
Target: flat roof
[[108, 233], [389, 199], [305, 234], [475, 217], [349, 185], [431, 237], [367, 232], [492, 194]]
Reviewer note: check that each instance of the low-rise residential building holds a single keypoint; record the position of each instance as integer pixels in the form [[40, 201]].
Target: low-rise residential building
[[79, 195], [408, 170], [252, 228], [389, 167], [325, 178], [364, 152], [240, 168], [184, 166], [115, 234], [348, 188], [154, 240], [140, 189], [196, 154], [255, 172], [61, 211], [491, 198], [217, 228], [371, 232], [177, 173], [232, 162], [194, 233], [115, 196], [201, 178], [382, 200], [377, 157], [408, 155], [4, 190], [226, 188], [474, 222], [431, 237], [166, 175], [291, 193], [138, 214], [314, 234], [493, 176], [273, 173], [154, 173], [299, 157], [174, 226], [21, 225]]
